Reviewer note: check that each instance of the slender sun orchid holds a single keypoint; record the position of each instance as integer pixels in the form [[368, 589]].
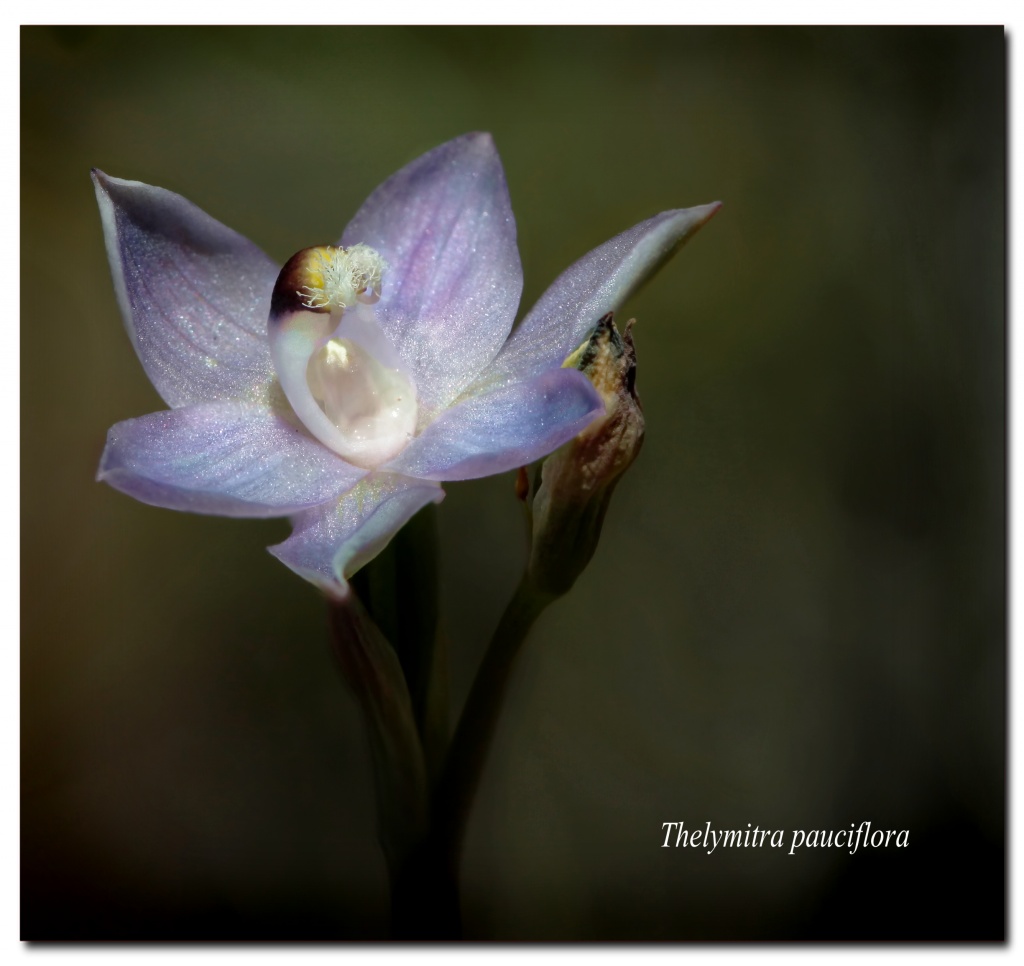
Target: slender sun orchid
[[343, 388]]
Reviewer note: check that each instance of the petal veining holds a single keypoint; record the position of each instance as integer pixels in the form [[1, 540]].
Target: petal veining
[[444, 225], [194, 294], [228, 458]]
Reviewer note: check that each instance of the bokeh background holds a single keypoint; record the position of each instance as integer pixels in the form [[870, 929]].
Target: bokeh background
[[796, 617]]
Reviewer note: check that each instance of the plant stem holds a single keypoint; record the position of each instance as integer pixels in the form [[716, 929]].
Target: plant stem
[[467, 754], [373, 674], [423, 866], [425, 893], [400, 589]]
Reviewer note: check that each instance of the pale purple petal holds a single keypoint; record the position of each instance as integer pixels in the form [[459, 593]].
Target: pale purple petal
[[228, 458], [194, 294], [598, 283], [331, 542], [444, 224], [508, 427]]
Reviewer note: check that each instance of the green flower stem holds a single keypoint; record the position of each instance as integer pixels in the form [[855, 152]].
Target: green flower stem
[[425, 895], [400, 589], [375, 677], [430, 884], [467, 753], [423, 854]]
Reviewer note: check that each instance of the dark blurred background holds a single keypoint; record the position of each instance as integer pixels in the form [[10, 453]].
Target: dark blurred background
[[796, 617]]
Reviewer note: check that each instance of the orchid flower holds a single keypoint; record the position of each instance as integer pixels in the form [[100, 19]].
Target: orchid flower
[[342, 389]]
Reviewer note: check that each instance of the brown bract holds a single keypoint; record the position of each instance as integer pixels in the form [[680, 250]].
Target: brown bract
[[577, 481]]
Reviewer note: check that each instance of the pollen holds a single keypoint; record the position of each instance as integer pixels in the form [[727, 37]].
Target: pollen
[[336, 278]]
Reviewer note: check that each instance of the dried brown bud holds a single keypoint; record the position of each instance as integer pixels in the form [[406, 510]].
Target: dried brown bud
[[576, 481]]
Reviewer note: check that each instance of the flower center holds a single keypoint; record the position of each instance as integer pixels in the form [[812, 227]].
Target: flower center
[[372, 406], [340, 373]]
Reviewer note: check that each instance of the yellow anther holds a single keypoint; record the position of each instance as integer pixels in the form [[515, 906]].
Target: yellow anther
[[335, 278]]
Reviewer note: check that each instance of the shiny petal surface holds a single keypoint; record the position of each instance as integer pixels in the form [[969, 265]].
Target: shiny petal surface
[[444, 224], [508, 427], [227, 458], [331, 542], [598, 283], [194, 294]]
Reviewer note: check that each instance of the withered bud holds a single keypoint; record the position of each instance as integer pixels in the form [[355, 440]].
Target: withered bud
[[576, 481]]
